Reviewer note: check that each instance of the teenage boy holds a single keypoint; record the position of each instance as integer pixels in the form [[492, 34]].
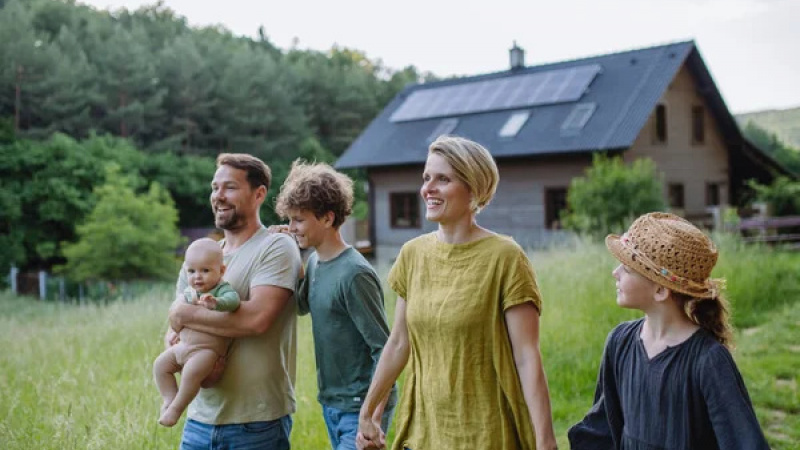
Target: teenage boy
[[343, 294]]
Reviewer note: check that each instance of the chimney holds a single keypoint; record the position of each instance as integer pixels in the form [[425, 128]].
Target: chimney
[[516, 56]]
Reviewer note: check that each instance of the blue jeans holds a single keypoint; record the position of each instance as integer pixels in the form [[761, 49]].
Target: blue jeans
[[343, 426], [271, 435]]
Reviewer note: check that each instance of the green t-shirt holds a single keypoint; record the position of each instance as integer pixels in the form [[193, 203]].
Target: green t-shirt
[[462, 389], [348, 318]]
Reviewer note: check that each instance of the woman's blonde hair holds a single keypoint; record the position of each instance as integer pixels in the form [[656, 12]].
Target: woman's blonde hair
[[473, 165]]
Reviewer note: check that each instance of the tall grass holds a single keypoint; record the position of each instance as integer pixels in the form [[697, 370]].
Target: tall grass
[[79, 377]]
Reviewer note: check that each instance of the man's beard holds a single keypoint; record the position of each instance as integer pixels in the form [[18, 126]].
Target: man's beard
[[230, 223]]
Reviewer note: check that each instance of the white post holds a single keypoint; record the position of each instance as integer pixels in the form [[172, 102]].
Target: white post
[[42, 285], [13, 278]]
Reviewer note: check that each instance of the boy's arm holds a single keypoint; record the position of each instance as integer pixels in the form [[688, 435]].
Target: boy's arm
[[366, 309], [301, 295]]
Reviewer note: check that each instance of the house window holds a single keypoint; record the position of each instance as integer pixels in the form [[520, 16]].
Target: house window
[[555, 201], [577, 118], [514, 124], [712, 194], [698, 124], [660, 131], [404, 209], [446, 126], [675, 192]]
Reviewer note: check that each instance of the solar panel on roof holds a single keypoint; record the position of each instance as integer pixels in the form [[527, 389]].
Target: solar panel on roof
[[517, 91]]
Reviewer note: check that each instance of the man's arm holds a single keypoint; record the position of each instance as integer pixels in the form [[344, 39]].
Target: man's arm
[[253, 317]]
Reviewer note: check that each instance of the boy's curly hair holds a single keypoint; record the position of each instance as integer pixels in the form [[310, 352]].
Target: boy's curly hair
[[317, 188]]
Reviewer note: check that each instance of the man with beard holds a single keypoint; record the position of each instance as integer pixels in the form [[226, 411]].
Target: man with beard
[[252, 402]]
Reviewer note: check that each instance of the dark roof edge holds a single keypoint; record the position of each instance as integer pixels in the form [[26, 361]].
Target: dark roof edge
[[456, 79]]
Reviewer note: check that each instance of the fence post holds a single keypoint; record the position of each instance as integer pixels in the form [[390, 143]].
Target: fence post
[[13, 278], [80, 293], [42, 285], [62, 290]]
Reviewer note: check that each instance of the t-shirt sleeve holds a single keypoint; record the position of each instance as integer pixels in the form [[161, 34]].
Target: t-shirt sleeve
[[398, 279], [365, 307], [729, 406], [279, 263], [519, 285]]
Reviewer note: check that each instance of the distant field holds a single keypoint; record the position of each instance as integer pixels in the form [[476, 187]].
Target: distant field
[[80, 377], [785, 123]]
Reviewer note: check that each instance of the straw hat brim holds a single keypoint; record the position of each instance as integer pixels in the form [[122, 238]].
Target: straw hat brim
[[624, 255]]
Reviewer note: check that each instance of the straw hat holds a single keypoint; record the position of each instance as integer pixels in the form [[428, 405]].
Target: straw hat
[[671, 252]]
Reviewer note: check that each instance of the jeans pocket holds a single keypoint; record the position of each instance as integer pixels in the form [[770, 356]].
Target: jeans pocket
[[261, 427]]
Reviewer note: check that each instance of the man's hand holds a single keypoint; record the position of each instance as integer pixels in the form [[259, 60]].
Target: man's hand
[[207, 301], [178, 315]]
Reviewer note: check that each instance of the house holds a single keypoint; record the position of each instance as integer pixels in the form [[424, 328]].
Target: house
[[543, 124]]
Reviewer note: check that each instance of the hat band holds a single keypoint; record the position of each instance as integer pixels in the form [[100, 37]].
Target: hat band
[[713, 286]]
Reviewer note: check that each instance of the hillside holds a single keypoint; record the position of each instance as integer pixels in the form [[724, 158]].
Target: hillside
[[785, 123]]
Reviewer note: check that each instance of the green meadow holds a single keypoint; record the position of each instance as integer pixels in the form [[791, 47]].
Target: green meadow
[[79, 377]]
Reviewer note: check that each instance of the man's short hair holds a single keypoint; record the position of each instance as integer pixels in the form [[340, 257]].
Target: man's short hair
[[258, 173], [317, 188]]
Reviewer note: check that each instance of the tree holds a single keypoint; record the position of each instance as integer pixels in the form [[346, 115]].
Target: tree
[[783, 195], [769, 142], [611, 195], [126, 236]]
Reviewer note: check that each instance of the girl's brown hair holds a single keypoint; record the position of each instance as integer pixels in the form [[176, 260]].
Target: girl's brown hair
[[711, 314]]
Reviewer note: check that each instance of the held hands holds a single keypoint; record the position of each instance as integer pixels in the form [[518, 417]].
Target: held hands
[[370, 436]]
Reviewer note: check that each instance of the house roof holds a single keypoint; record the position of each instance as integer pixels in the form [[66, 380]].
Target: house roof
[[623, 94]]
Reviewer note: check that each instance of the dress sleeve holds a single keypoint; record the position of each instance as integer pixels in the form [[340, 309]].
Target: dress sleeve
[[398, 279], [602, 425], [729, 407], [520, 285]]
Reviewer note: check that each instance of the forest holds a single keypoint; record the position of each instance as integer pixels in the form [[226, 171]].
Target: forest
[[81, 87]]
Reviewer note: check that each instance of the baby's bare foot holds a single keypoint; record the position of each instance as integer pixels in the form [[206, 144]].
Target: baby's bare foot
[[169, 417]]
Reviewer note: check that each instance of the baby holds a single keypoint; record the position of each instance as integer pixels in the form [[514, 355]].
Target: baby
[[196, 352]]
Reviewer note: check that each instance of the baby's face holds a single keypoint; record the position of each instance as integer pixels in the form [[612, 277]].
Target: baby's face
[[203, 270]]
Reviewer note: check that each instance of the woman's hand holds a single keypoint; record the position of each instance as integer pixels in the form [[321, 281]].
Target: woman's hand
[[370, 436]]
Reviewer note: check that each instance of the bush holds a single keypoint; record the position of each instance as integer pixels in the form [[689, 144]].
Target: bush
[[126, 236], [612, 195]]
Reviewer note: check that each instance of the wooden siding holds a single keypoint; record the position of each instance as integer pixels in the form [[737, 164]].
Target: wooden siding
[[680, 159]]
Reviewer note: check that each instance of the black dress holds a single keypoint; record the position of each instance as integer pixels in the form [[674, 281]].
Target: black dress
[[688, 397]]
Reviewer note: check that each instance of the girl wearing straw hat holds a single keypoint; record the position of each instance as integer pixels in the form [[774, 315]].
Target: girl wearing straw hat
[[668, 381]]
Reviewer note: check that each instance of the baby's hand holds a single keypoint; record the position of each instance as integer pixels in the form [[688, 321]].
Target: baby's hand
[[207, 301]]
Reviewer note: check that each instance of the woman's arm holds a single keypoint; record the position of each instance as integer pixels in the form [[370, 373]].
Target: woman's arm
[[523, 330], [390, 365]]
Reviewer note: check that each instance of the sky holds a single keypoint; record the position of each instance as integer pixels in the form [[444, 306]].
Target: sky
[[750, 46]]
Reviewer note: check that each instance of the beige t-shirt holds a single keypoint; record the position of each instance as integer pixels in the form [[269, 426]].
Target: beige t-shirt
[[462, 389], [258, 382]]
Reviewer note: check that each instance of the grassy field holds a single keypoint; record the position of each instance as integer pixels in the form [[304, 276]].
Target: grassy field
[[80, 377]]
